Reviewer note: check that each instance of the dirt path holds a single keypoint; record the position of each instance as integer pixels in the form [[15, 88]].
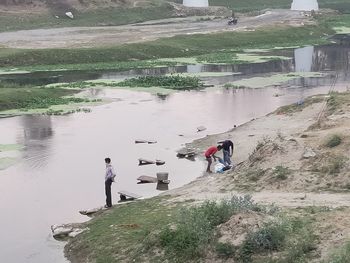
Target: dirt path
[[115, 35]]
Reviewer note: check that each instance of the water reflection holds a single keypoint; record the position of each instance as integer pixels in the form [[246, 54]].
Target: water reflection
[[304, 59], [305, 5], [196, 3], [37, 132]]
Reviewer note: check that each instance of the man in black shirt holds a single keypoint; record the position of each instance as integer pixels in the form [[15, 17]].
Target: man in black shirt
[[227, 147]]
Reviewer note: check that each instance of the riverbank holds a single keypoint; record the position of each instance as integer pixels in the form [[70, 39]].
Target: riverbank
[[290, 131]]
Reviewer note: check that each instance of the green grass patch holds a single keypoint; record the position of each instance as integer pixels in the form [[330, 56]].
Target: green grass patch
[[124, 233], [292, 237], [195, 227], [225, 250], [26, 97], [340, 255], [99, 17]]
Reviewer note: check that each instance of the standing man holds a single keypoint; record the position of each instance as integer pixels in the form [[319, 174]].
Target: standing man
[[209, 154], [109, 178], [227, 148]]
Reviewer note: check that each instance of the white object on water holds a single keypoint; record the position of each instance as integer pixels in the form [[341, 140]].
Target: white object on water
[[305, 5], [69, 14], [196, 3]]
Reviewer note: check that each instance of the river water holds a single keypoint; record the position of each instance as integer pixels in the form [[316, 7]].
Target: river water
[[61, 168]]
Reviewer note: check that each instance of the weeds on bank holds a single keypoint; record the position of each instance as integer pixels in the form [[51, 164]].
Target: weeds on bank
[[333, 165], [336, 101], [195, 226], [13, 96], [293, 236], [281, 172], [341, 255]]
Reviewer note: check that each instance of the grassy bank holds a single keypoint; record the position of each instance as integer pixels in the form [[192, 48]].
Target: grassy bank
[[178, 46], [155, 230], [29, 97], [99, 17]]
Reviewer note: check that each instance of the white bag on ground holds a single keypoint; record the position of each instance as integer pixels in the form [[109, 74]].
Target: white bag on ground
[[219, 168]]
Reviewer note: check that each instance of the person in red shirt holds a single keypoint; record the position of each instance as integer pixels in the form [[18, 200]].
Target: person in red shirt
[[210, 153]]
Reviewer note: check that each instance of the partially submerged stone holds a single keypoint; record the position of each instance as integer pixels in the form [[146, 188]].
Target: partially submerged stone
[[67, 230]]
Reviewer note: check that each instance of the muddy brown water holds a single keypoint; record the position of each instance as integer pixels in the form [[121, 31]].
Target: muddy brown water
[[61, 169]]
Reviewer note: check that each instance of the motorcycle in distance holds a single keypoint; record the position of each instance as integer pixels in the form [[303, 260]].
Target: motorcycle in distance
[[232, 21]]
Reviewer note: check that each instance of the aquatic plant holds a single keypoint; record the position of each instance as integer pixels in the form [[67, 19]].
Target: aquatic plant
[[170, 82]]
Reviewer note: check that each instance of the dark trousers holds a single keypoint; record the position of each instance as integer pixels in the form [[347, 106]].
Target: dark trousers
[[108, 184]]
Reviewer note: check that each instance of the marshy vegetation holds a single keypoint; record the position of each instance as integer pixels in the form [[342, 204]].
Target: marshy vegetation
[[169, 82], [175, 82], [26, 97]]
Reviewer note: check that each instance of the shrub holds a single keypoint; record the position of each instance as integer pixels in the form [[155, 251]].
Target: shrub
[[294, 236], [195, 226], [225, 250], [270, 237], [333, 141], [281, 172]]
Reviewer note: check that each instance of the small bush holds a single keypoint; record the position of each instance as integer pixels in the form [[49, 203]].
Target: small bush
[[270, 237], [292, 236], [333, 141], [225, 250], [281, 172], [195, 226]]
